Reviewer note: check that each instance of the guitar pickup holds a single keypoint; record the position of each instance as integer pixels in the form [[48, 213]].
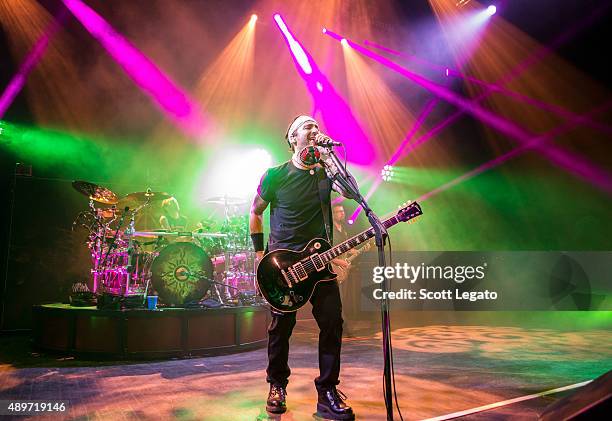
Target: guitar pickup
[[317, 262], [299, 272], [293, 272]]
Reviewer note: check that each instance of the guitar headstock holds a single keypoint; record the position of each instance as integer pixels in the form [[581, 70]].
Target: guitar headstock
[[409, 211]]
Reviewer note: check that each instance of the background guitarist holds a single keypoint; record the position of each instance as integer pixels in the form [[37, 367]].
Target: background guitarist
[[347, 289], [298, 192], [341, 232]]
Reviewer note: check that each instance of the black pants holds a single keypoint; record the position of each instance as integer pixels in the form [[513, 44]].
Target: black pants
[[327, 311]]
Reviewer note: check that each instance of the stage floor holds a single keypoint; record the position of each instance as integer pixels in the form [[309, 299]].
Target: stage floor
[[439, 369]]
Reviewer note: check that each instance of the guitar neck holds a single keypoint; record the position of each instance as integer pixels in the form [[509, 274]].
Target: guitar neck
[[353, 242]]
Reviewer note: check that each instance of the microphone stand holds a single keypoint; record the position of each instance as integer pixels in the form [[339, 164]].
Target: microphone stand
[[340, 175]]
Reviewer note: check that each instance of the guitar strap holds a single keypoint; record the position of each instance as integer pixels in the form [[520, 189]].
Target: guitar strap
[[324, 190]]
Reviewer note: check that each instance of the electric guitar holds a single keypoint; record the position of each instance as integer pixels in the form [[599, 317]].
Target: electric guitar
[[342, 273], [288, 278]]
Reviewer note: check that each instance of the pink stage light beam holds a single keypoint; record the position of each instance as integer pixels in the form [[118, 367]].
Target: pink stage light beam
[[492, 87], [533, 58], [574, 164], [399, 152], [175, 103], [336, 114], [18, 81], [536, 141], [517, 71]]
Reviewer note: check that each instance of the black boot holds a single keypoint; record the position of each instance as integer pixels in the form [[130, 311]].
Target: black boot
[[276, 399], [331, 405]]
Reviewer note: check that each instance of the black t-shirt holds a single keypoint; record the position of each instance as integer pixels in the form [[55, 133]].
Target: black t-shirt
[[341, 236], [296, 216]]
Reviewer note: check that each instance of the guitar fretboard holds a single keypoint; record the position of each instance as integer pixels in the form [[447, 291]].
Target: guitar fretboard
[[354, 241]]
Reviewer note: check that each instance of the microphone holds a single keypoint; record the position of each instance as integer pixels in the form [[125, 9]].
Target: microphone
[[326, 141]]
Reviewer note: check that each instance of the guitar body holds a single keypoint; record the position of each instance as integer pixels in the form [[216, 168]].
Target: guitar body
[[288, 278], [274, 286]]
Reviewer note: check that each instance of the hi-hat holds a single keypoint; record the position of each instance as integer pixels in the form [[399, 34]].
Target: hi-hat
[[144, 196], [94, 192], [136, 199], [226, 200]]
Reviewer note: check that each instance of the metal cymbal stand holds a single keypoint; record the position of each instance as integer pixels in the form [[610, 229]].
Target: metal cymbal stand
[[99, 234], [129, 232]]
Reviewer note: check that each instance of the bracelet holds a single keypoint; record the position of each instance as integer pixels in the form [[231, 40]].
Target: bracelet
[[258, 241]]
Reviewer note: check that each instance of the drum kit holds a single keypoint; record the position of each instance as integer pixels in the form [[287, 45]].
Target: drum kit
[[184, 269]]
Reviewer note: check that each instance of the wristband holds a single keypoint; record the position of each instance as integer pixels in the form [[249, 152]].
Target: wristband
[[258, 241]]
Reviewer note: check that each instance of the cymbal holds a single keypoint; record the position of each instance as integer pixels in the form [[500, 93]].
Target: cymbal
[[226, 200], [153, 234], [94, 192], [142, 197], [152, 196]]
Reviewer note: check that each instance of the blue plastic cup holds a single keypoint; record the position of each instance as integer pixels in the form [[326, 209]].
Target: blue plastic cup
[[152, 302]]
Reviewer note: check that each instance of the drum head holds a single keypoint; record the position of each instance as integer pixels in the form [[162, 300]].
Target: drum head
[[181, 273]]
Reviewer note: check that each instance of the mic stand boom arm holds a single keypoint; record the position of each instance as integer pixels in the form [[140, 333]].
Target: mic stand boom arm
[[343, 178]]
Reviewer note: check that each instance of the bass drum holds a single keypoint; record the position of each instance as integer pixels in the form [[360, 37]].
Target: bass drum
[[181, 274]]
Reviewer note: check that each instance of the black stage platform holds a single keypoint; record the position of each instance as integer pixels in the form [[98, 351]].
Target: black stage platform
[[142, 333]]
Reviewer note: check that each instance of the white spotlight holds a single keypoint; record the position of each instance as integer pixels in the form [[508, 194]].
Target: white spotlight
[[491, 10], [234, 172], [344, 42]]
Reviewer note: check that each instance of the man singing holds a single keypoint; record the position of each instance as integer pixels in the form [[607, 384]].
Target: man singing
[[298, 193]]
